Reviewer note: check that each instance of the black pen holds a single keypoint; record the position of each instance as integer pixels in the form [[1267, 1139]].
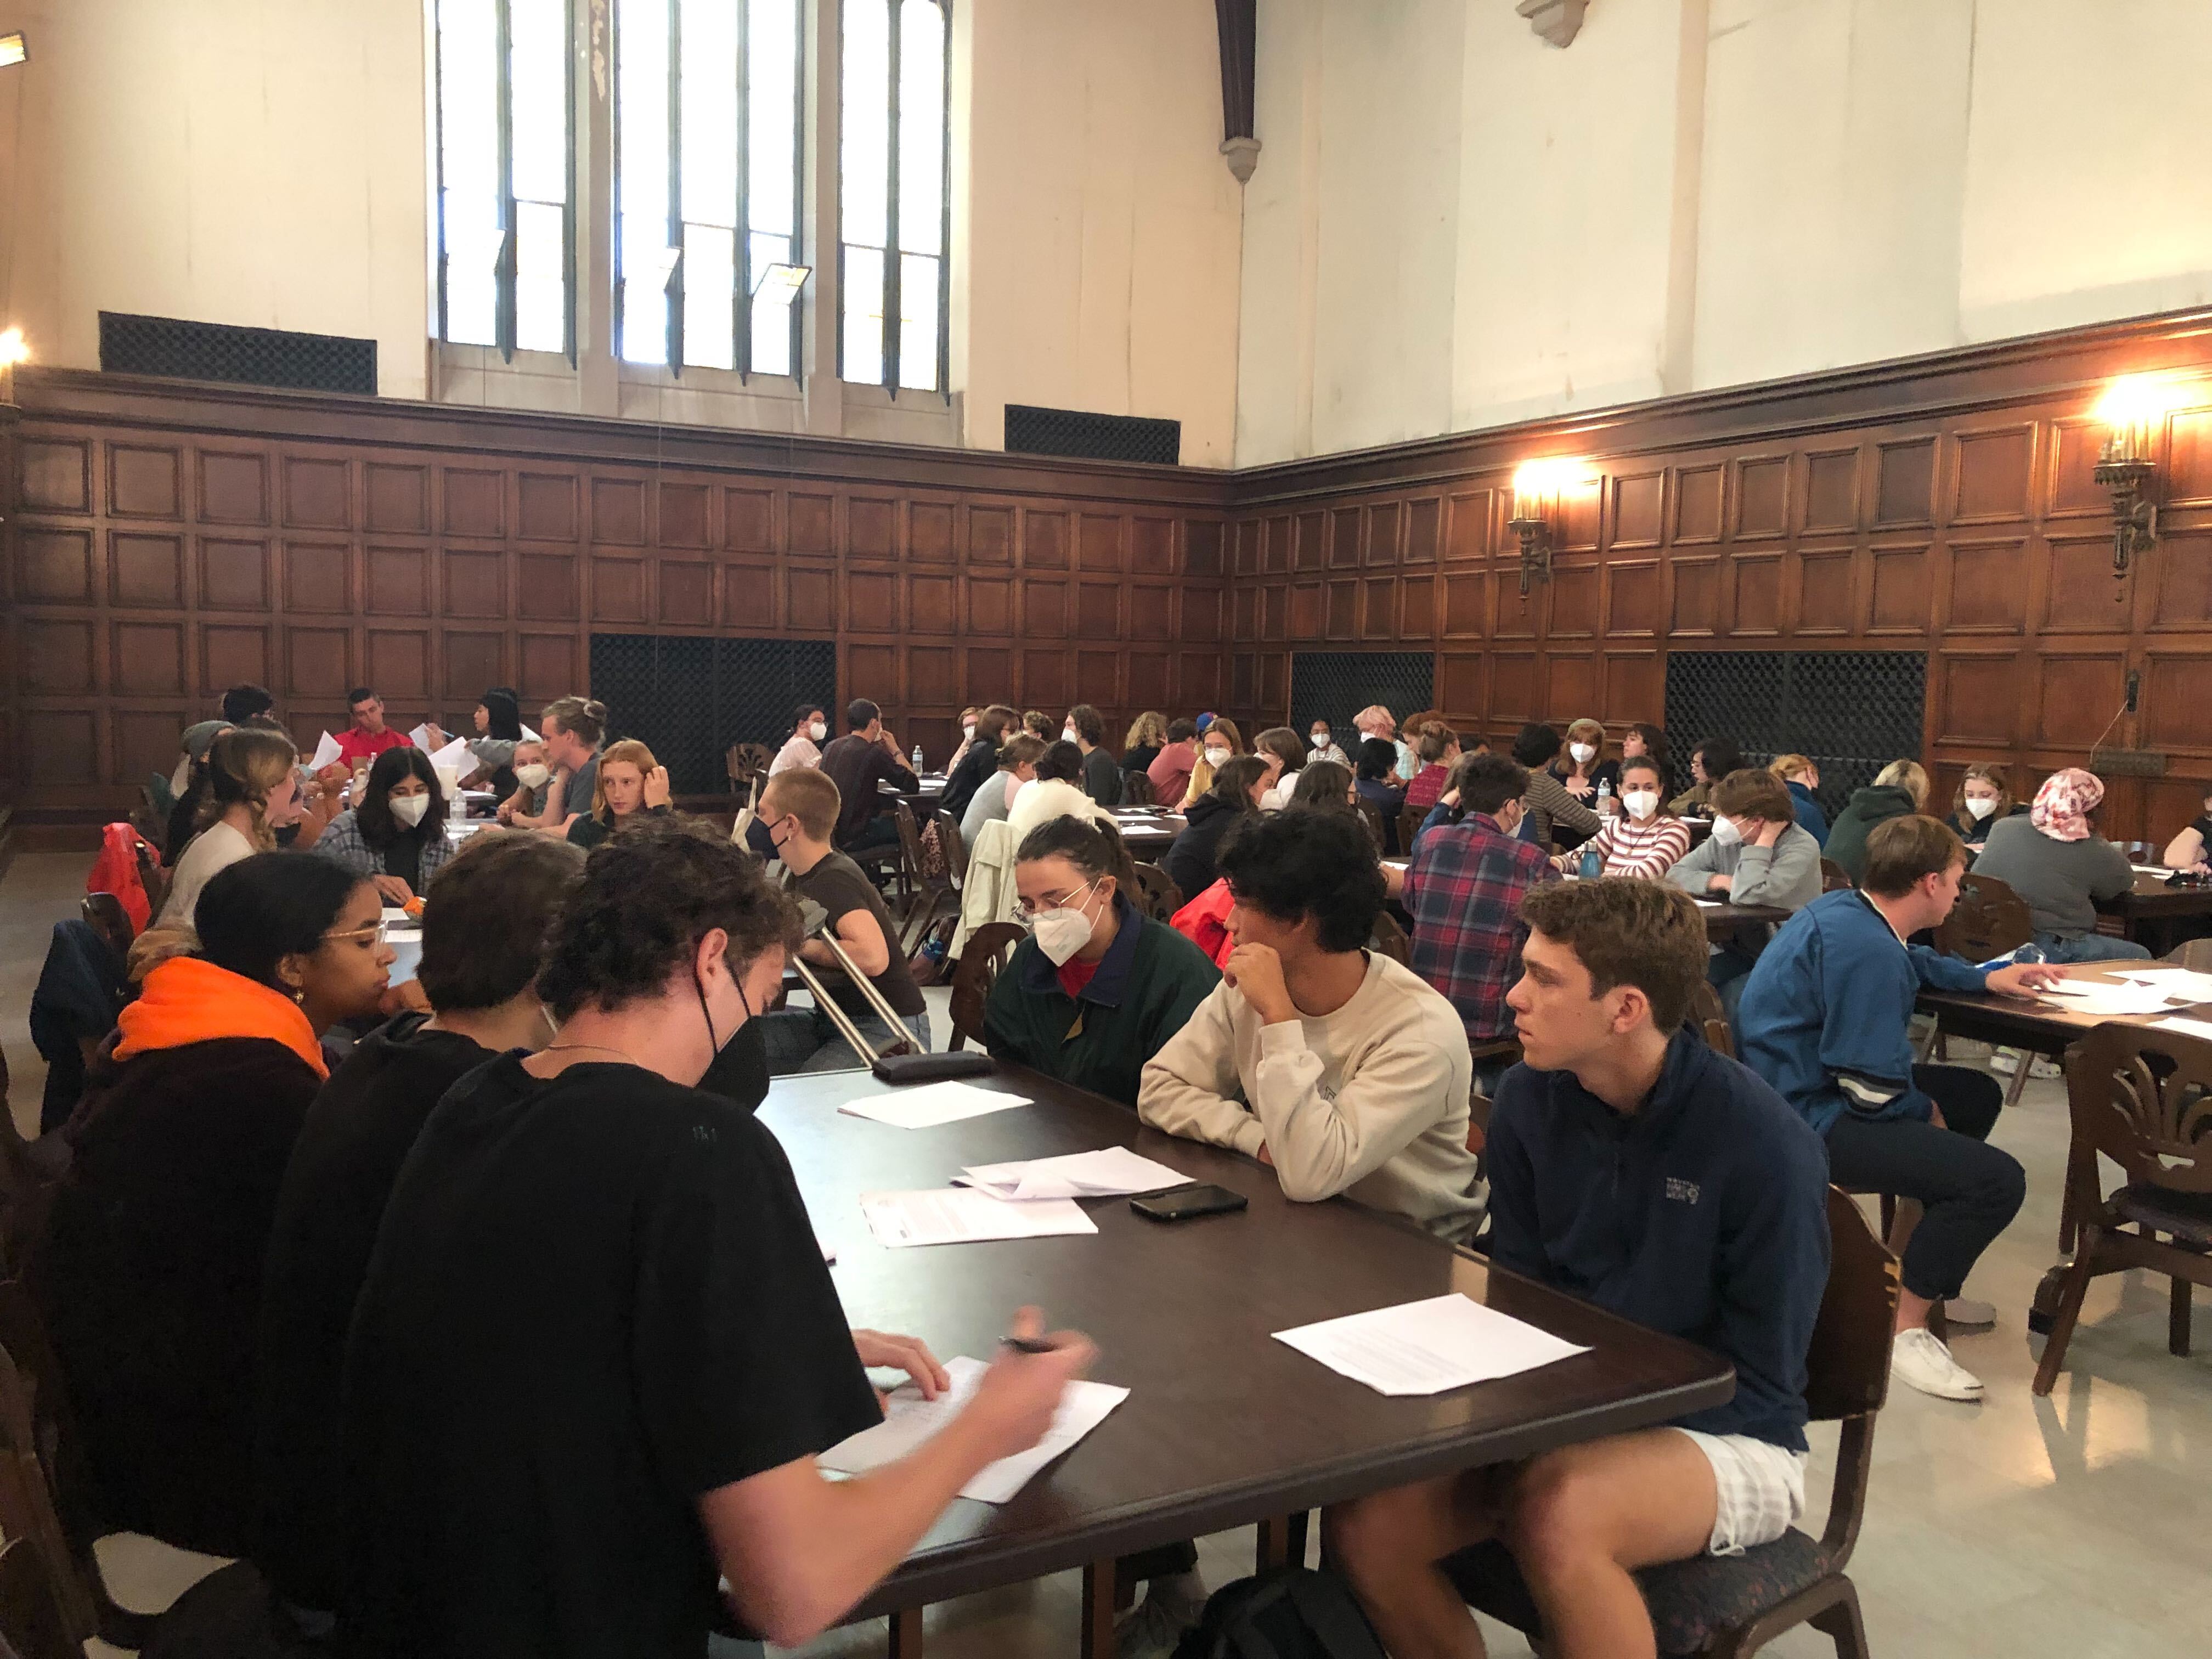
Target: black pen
[[1026, 1344]]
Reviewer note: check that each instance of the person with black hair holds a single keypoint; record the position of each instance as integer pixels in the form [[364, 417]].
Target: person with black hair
[[866, 757], [395, 835], [365, 735], [810, 730], [150, 1278], [979, 758], [1170, 770], [499, 727], [1375, 780], [1548, 809], [1101, 773], [1238, 784], [1097, 986], [242, 703], [488, 914], [1329, 1061], [1055, 792], [590, 1265], [1710, 761]]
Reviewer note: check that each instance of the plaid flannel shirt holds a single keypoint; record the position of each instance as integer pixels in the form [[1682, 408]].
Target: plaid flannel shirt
[[1463, 888]]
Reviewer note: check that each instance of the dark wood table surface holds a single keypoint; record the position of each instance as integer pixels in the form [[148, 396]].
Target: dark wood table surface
[[931, 792], [1223, 1426], [1148, 834], [2043, 1024]]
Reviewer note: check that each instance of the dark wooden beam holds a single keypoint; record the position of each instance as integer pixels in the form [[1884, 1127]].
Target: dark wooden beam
[[1239, 26]]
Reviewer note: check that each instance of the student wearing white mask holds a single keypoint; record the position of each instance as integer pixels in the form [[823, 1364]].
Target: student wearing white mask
[[1644, 838], [1323, 743], [1221, 744], [1101, 773], [535, 804], [1985, 797], [1578, 769], [397, 836], [1756, 855], [810, 730]]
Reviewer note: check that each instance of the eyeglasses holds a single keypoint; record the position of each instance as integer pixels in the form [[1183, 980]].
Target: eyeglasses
[[1031, 909], [371, 934]]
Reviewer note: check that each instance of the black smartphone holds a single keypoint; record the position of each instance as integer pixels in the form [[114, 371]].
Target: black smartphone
[[1185, 1203]]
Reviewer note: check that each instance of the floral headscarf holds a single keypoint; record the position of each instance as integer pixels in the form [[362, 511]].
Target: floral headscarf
[[2063, 805]]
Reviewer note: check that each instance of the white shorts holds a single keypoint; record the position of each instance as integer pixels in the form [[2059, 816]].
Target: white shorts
[[1761, 1486]]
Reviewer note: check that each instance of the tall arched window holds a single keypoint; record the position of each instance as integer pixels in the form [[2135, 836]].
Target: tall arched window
[[505, 226], [706, 114], [893, 199]]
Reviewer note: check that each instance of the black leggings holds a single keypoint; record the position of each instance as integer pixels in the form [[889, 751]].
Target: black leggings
[[1969, 1191]]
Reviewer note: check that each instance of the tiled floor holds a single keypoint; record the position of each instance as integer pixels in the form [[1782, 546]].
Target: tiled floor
[[2076, 1527]]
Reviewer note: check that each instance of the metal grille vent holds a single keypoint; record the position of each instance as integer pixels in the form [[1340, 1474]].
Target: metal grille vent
[[1852, 712], [1334, 685], [178, 350], [689, 699], [1032, 431]]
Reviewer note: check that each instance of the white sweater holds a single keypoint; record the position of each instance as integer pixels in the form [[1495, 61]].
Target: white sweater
[[1369, 1101], [209, 853]]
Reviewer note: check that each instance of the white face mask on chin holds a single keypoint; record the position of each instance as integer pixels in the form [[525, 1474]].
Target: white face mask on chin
[[1583, 753], [1980, 805], [409, 809]]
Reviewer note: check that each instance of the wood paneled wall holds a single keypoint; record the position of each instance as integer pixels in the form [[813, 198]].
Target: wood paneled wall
[[1943, 502], [166, 542]]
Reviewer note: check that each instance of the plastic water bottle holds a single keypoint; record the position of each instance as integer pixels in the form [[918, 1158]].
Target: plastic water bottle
[[2026, 953], [917, 760], [1605, 798], [1592, 865]]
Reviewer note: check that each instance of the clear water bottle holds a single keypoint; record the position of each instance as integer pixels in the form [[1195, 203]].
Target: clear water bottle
[[1592, 865], [917, 760], [2026, 953], [1605, 798]]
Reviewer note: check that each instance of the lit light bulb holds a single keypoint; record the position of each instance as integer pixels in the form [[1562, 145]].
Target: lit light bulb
[[2132, 410], [12, 349]]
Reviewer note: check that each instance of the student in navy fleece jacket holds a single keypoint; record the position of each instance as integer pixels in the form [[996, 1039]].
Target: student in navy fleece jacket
[[1823, 1018], [1633, 1167]]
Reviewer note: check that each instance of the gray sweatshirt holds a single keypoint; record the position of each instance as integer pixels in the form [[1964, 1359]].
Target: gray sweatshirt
[[2060, 879], [1369, 1101], [1786, 874]]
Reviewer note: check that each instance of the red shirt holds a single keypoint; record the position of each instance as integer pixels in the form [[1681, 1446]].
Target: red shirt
[[1427, 786], [1171, 773], [1075, 973], [356, 745]]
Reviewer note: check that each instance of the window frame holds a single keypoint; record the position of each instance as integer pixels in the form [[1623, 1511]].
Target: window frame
[[504, 267], [741, 298], [894, 286]]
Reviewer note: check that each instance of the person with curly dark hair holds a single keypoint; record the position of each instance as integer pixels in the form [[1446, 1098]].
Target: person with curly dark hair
[[1330, 1061], [590, 1264]]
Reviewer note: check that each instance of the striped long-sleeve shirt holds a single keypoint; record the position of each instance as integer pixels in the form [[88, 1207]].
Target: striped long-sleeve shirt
[[1628, 848]]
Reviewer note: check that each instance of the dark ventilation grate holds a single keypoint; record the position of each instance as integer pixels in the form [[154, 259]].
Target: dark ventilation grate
[[179, 350], [1091, 437], [689, 699], [1334, 685], [1852, 712]]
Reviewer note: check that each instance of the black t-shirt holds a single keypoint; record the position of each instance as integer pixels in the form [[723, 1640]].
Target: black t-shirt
[[594, 1300], [2202, 826], [837, 885], [358, 1134], [1102, 778]]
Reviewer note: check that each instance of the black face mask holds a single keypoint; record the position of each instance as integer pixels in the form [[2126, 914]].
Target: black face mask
[[739, 1071]]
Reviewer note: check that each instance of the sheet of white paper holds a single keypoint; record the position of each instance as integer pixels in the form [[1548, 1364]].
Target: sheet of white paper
[[1426, 1347], [2159, 870], [420, 737], [931, 1104], [394, 916], [529, 736], [960, 1215], [909, 1420], [402, 935], [2089, 996], [2174, 982], [1709, 904], [454, 756], [2196, 1028], [326, 752], [1116, 1169]]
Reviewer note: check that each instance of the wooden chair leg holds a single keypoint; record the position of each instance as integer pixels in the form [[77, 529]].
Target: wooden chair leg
[[2069, 1309], [2176, 1319], [1889, 1214], [2020, 1078], [906, 1633], [1097, 1641], [1841, 1622]]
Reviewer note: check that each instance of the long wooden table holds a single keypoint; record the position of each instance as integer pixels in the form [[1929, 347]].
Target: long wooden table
[[2152, 913], [2041, 1024], [1223, 1426], [1148, 833]]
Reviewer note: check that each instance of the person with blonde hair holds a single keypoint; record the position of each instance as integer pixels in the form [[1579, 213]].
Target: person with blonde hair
[[632, 785], [1985, 797], [1148, 735], [1223, 743], [1800, 777], [1898, 791], [253, 791]]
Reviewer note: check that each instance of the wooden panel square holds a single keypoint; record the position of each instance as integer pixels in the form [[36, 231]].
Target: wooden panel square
[[2188, 457], [1201, 619], [1343, 524], [990, 675], [687, 593], [929, 605], [2180, 575], [546, 586], [234, 575], [54, 566], [149, 659], [400, 663], [1099, 675], [1305, 611], [1275, 548], [56, 657], [1244, 679], [1340, 615], [749, 520], [749, 591], [1274, 677], [1697, 596], [316, 577], [1635, 687], [1045, 679], [230, 656], [399, 580], [1698, 491], [1379, 608], [1581, 508], [1574, 601], [1570, 690], [1988, 586], [146, 570], [929, 532], [1249, 532], [1307, 535], [1098, 542], [1459, 684], [619, 589], [233, 488], [1152, 612], [398, 498], [318, 662], [472, 662], [1417, 608], [1514, 692], [1832, 490], [2176, 691], [1470, 526], [1197, 677], [146, 741], [2080, 594], [812, 521], [1274, 613], [1245, 623], [1045, 540], [683, 510], [2075, 700], [932, 676], [990, 535], [1827, 603], [1152, 546], [317, 494], [545, 507], [810, 605], [1905, 482], [1423, 514], [990, 606], [618, 511], [1900, 591], [1151, 680], [872, 527], [2074, 445], [871, 602], [55, 474], [1634, 596], [1383, 522], [476, 584], [141, 481], [1993, 474], [1044, 608], [1758, 594], [476, 501], [1762, 496], [59, 747], [548, 667], [1980, 700], [1202, 547], [1639, 501]]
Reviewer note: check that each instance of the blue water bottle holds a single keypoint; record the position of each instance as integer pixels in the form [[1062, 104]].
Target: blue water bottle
[[1592, 865]]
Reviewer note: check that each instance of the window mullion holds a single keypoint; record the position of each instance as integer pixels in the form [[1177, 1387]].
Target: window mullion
[[893, 286]]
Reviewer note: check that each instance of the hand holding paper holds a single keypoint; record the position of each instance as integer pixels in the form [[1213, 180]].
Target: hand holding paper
[[327, 751]]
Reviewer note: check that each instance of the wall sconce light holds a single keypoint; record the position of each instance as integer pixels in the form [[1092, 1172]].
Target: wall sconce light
[[2133, 409], [1538, 487], [12, 50], [13, 351]]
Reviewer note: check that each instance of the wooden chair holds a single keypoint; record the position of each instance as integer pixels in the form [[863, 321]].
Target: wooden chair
[[747, 764], [2195, 954], [154, 879], [987, 951], [1390, 939], [1156, 894], [1734, 1605], [1712, 1019], [2138, 1097], [1371, 815], [924, 890], [1137, 789], [148, 817], [954, 843], [1989, 919], [104, 913], [32, 1622], [1409, 825], [1834, 879]]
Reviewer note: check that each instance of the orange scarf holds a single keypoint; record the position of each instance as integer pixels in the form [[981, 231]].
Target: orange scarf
[[190, 1000]]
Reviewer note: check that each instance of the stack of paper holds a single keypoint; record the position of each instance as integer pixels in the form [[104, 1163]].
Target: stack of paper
[[2100, 998], [2174, 982], [931, 1104], [2196, 1028], [1425, 1347], [1076, 1175], [909, 1420], [960, 1215]]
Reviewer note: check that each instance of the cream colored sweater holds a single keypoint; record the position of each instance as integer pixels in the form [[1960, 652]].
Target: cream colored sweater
[[1369, 1102]]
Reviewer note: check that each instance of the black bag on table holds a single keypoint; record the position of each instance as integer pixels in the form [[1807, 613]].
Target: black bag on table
[[1285, 1612]]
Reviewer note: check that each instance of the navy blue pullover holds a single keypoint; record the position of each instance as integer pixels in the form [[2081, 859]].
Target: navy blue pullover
[[1703, 1214]]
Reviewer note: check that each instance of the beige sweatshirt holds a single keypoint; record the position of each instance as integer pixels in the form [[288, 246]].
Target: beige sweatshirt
[[1370, 1100]]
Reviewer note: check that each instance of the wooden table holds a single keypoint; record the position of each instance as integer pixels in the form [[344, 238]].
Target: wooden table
[[2043, 1024], [1148, 834], [1223, 1426], [922, 800], [2151, 912]]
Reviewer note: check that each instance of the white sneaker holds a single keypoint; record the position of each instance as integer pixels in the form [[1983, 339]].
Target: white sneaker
[[2005, 1060], [1151, 1628], [1919, 1360], [1969, 1315]]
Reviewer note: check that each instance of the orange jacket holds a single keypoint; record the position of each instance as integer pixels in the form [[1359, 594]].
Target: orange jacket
[[190, 1000]]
